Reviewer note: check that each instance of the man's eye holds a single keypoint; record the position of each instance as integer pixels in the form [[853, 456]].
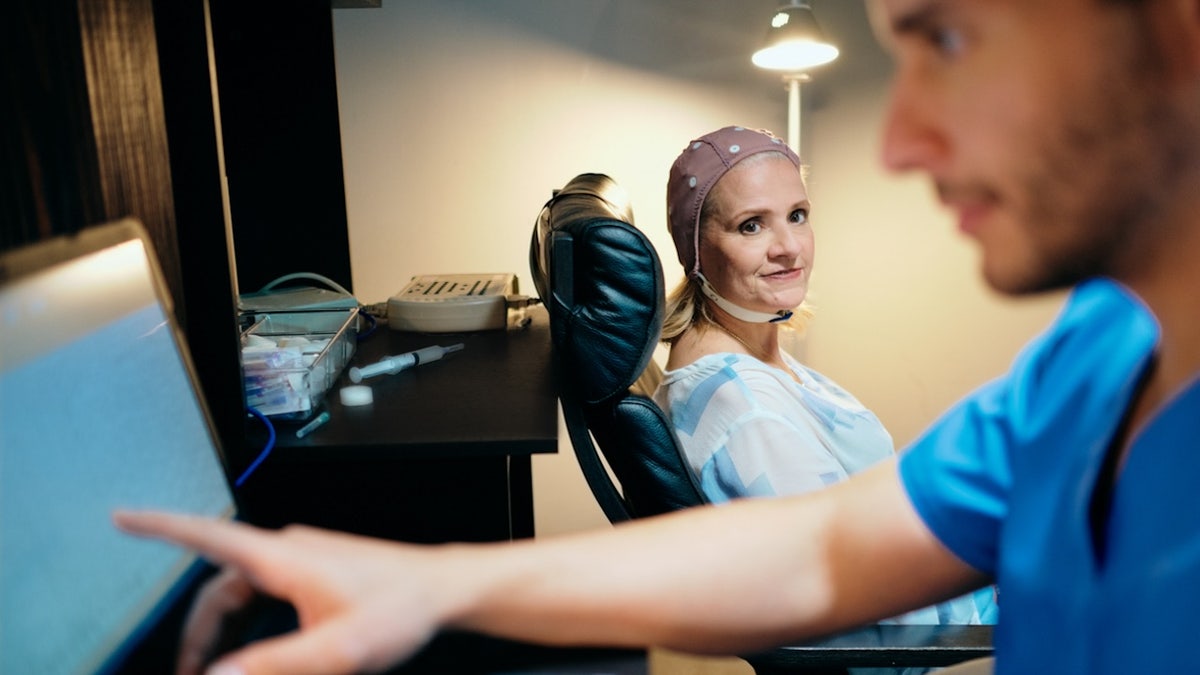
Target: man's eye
[[799, 216], [948, 41]]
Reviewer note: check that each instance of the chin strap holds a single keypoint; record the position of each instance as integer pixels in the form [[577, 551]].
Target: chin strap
[[747, 315]]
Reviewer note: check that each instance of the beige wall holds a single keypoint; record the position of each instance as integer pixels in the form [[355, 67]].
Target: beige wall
[[456, 126]]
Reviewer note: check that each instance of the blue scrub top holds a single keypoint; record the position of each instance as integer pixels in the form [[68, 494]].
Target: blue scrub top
[[1006, 481]]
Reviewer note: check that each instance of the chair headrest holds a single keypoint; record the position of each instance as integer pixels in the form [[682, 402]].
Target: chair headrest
[[602, 283]]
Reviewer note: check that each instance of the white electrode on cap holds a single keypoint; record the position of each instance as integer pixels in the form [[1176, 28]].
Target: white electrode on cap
[[390, 365]]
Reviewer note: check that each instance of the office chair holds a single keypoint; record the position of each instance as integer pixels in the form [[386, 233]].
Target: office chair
[[602, 284]]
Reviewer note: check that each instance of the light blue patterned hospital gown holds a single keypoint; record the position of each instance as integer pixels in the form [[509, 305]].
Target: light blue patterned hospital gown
[[749, 430]]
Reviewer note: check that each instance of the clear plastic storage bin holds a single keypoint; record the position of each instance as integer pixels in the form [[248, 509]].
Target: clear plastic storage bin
[[290, 359]]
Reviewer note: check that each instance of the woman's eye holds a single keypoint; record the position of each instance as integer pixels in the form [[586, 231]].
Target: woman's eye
[[799, 216], [749, 227]]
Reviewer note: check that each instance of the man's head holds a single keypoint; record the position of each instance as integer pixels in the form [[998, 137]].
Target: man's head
[[1064, 135]]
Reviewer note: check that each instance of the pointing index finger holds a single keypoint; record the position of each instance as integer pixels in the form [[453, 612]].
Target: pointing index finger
[[220, 541]]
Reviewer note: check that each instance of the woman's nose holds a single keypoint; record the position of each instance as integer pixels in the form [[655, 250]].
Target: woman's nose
[[789, 242]]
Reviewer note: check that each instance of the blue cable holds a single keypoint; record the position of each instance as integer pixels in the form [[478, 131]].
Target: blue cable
[[266, 448]]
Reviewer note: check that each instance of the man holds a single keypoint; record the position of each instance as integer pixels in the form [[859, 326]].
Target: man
[[1065, 136]]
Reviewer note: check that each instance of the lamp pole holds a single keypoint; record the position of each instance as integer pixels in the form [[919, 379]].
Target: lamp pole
[[793, 81], [792, 342]]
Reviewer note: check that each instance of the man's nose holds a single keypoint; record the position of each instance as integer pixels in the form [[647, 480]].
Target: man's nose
[[912, 137]]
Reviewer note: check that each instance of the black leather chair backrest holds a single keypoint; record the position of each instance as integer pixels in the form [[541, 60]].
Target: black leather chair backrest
[[602, 284]]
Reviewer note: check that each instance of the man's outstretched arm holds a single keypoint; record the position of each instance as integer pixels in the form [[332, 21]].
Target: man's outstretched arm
[[721, 580]]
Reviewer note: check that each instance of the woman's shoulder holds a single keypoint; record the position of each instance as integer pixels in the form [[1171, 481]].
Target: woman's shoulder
[[735, 389], [730, 377], [733, 363]]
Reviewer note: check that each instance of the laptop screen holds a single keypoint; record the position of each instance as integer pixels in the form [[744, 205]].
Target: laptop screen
[[98, 409]]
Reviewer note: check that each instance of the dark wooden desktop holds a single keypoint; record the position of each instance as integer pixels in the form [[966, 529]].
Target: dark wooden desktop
[[876, 646], [442, 454]]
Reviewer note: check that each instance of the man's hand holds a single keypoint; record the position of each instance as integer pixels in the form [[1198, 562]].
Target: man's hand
[[358, 610]]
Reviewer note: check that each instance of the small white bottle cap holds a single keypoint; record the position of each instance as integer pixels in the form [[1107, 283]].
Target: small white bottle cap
[[356, 395]]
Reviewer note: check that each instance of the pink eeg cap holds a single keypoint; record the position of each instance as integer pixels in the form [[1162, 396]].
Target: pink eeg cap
[[697, 169]]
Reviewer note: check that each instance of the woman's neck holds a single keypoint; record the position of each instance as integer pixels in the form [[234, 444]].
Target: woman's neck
[[759, 340]]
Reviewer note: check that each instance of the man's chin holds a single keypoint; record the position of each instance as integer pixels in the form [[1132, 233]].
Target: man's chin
[[1017, 283]]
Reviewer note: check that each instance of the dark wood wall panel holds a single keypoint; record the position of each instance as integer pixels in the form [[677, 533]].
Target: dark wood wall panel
[[283, 149], [120, 57], [50, 182]]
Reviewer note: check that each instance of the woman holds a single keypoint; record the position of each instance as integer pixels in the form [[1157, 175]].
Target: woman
[[752, 420]]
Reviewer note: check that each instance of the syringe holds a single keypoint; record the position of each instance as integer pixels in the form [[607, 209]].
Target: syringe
[[390, 365]]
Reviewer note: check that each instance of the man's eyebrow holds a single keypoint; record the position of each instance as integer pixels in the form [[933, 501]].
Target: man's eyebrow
[[919, 19]]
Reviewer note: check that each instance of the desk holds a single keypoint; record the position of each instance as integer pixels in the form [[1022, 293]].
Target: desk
[[878, 646], [442, 454]]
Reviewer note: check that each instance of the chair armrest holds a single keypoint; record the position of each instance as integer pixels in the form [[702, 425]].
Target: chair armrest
[[878, 646]]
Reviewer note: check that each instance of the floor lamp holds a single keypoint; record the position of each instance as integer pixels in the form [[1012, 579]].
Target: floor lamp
[[794, 43]]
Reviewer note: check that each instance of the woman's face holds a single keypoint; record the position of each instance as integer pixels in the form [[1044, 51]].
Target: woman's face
[[756, 246]]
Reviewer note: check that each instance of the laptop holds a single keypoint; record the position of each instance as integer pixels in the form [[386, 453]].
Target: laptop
[[99, 409]]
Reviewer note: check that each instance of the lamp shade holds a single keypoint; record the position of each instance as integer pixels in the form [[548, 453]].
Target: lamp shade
[[794, 41]]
